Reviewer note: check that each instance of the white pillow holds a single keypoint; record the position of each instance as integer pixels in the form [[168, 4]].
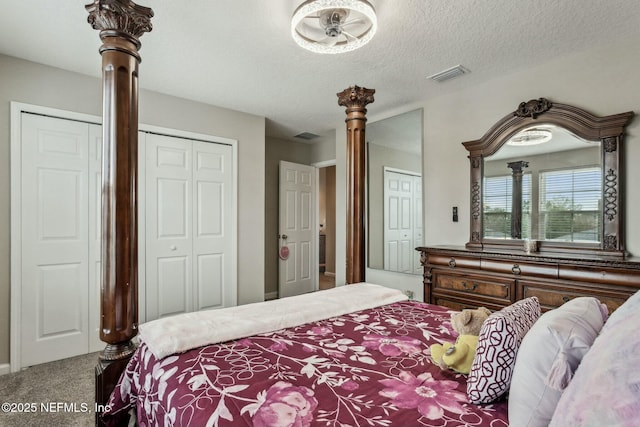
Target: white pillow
[[605, 390], [548, 356]]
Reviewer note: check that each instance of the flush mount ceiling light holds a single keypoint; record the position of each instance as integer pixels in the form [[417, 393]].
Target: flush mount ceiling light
[[333, 26], [531, 137]]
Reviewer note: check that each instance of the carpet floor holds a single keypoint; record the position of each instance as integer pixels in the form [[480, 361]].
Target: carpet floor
[[59, 393]]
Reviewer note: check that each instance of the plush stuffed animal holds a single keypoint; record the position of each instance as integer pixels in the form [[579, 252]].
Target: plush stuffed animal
[[459, 355]]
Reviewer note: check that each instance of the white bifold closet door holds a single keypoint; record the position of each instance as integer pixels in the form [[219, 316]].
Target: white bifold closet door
[[186, 222], [188, 242], [60, 239]]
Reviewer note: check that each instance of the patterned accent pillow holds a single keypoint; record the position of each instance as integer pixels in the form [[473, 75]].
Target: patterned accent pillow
[[498, 344]]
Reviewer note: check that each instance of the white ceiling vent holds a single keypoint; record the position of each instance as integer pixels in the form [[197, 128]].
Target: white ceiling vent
[[449, 73], [307, 136]]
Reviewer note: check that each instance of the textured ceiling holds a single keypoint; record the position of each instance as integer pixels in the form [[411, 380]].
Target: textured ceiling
[[239, 54]]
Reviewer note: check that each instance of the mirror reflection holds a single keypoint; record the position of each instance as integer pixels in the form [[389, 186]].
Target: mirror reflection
[[544, 184], [394, 187]]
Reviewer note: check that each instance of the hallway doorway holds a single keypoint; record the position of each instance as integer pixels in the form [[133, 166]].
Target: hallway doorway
[[327, 222]]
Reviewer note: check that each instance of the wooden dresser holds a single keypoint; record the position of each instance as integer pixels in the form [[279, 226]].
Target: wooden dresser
[[459, 278]]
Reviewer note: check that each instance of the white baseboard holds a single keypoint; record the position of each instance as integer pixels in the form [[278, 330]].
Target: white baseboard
[[5, 368], [271, 295], [328, 273]]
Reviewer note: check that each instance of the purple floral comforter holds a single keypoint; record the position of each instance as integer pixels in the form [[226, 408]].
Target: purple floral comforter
[[368, 368]]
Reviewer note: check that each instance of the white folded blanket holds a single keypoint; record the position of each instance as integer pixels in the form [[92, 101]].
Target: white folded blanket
[[177, 334]]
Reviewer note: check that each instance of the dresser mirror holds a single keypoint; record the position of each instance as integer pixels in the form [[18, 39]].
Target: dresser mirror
[[547, 178], [394, 193]]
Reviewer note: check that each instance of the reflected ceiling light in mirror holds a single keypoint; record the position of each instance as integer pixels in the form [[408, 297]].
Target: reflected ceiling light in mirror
[[533, 136], [333, 26]]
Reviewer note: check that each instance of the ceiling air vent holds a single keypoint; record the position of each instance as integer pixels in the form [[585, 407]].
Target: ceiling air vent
[[449, 73], [307, 135]]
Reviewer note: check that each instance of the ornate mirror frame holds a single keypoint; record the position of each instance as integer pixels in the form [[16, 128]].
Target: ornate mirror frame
[[609, 130]]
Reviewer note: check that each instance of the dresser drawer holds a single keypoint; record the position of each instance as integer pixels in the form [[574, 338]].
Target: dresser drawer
[[494, 287], [600, 275], [517, 268], [453, 261], [552, 295], [459, 305]]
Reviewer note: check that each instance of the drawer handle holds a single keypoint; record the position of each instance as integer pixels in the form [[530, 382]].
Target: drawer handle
[[466, 286], [565, 298], [452, 262], [516, 269]]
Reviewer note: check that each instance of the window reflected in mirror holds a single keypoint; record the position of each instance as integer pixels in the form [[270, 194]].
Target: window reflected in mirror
[[544, 184]]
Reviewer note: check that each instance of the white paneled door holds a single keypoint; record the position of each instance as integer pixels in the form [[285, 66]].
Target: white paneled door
[[402, 220], [188, 209], [297, 269], [55, 235], [418, 229], [187, 227]]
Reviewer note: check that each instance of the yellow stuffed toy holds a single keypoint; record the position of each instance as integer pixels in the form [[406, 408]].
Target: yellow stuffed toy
[[459, 356]]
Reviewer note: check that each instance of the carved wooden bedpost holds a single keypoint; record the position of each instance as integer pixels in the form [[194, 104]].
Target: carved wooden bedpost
[[517, 169], [355, 99], [121, 23]]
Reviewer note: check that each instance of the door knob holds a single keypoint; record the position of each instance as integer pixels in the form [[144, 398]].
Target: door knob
[[173, 247]]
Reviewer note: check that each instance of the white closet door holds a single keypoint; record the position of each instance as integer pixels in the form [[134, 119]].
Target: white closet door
[[55, 260], [189, 196], [95, 235], [169, 226], [418, 230], [212, 235], [398, 222]]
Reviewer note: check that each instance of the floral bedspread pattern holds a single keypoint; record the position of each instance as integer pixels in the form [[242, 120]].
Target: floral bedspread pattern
[[369, 368]]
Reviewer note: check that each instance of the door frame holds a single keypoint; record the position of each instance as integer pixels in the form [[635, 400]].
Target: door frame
[[15, 129], [314, 265], [318, 166], [16, 111]]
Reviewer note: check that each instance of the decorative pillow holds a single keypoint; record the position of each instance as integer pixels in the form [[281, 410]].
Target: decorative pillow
[[622, 312], [605, 390], [548, 356], [498, 344]]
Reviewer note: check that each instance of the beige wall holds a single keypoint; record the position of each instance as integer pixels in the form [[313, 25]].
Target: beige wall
[[37, 84], [603, 80]]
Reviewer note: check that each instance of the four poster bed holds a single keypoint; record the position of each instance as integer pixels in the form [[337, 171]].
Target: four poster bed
[[353, 355]]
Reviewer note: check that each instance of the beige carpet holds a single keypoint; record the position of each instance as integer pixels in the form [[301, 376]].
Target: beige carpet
[[55, 394]]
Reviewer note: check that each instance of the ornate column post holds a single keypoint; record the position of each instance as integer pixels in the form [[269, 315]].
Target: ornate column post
[[355, 99], [516, 197], [121, 23]]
